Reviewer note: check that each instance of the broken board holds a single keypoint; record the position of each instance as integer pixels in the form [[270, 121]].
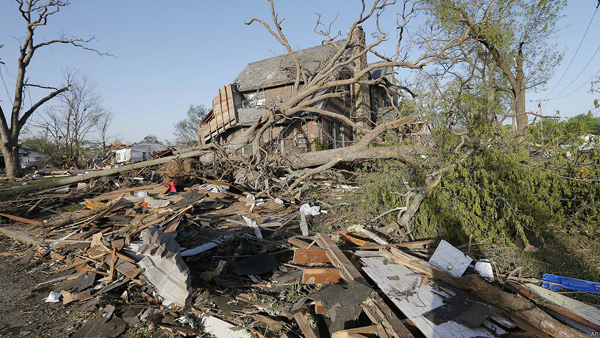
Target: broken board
[[404, 288], [583, 310]]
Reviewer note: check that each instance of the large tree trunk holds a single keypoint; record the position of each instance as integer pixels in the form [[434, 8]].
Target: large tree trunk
[[491, 98], [10, 151], [519, 92]]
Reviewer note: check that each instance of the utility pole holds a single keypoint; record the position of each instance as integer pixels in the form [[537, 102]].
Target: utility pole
[[542, 118]]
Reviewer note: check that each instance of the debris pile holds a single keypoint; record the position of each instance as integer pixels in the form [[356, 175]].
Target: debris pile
[[213, 258]]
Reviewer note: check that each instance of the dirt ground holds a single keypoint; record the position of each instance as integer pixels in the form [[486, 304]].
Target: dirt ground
[[23, 312]]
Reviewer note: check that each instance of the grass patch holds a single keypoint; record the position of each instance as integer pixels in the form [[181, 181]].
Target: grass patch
[[71, 208]]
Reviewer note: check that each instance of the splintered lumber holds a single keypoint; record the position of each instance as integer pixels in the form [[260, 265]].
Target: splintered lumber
[[183, 331], [307, 331], [298, 243], [21, 219], [321, 276], [65, 219], [356, 332], [69, 297], [378, 312], [310, 257], [100, 173], [399, 245], [568, 307], [354, 240], [143, 221], [526, 314], [339, 260], [19, 236]]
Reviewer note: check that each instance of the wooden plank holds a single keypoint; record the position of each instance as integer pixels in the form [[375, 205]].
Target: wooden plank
[[321, 276], [127, 268], [501, 320], [355, 332], [307, 331], [568, 307], [339, 260], [379, 312], [21, 219], [399, 245], [19, 236], [298, 243], [354, 240], [414, 299], [588, 312], [310, 257]]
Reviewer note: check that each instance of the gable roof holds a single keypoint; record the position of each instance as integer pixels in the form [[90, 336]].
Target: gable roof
[[280, 70]]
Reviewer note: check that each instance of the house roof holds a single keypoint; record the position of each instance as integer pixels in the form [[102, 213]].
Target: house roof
[[382, 72], [280, 70]]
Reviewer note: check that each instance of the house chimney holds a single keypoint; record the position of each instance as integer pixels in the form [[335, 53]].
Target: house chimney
[[362, 95]]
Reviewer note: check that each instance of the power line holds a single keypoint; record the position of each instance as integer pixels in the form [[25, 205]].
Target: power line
[[583, 84], [577, 77], [576, 51], [6, 87]]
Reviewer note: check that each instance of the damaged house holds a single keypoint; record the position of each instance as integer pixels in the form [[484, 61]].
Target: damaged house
[[269, 82], [139, 151]]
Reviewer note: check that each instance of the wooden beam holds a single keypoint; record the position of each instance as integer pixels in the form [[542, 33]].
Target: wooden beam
[[552, 306], [355, 332], [307, 331], [298, 243], [397, 245], [339, 260], [19, 236], [378, 312], [21, 219], [310, 257], [321, 276]]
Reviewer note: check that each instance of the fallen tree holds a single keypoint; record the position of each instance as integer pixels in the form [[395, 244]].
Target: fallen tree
[[95, 174]]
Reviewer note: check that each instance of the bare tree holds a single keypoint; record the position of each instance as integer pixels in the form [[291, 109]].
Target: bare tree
[[36, 14], [69, 124], [103, 124]]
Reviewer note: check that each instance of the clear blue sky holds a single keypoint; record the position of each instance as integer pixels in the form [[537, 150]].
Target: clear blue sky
[[170, 54]]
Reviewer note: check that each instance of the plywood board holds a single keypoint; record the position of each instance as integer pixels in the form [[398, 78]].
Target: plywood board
[[223, 108], [401, 285], [583, 310], [311, 257], [321, 276]]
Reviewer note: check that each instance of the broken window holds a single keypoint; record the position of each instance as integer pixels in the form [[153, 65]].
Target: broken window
[[253, 99], [333, 135]]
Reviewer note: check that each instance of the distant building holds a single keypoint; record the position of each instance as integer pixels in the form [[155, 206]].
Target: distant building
[[28, 157], [139, 151], [31, 158]]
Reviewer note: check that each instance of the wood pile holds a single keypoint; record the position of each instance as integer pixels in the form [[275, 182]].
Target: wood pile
[[217, 258]]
